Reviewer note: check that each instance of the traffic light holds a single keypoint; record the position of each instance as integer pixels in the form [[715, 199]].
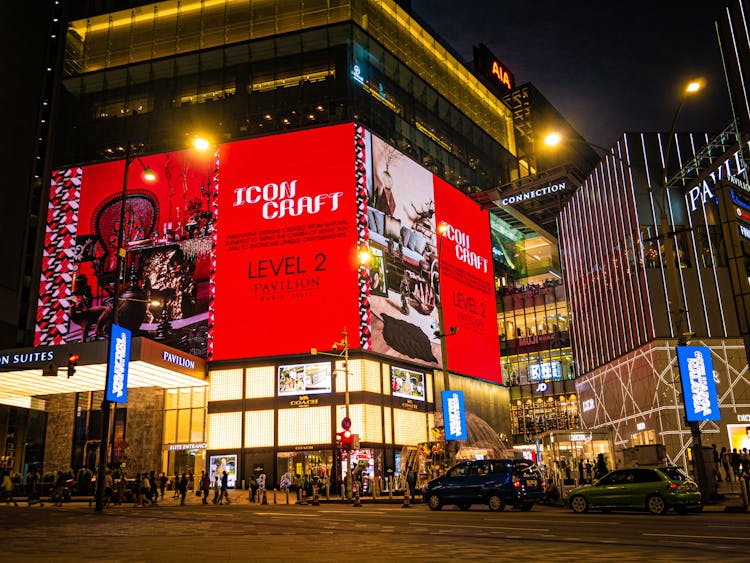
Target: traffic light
[[72, 362], [346, 439]]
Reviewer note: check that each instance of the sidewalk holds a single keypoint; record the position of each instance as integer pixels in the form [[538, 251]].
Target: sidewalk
[[728, 498]]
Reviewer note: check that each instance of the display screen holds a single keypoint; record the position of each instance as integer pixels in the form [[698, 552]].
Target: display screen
[[166, 232], [220, 463], [467, 285], [254, 252], [305, 379], [407, 384], [286, 257]]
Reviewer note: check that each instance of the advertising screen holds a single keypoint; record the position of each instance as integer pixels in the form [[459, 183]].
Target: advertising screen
[[220, 463], [407, 384], [166, 232], [467, 289], [305, 378], [286, 257], [416, 270]]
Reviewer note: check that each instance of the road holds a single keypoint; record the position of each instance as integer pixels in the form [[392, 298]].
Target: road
[[373, 532]]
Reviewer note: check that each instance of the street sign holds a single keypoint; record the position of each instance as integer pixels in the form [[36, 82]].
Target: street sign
[[117, 366], [49, 369], [698, 386]]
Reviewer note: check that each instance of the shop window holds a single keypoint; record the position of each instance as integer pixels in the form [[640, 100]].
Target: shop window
[[197, 424], [183, 426], [170, 427]]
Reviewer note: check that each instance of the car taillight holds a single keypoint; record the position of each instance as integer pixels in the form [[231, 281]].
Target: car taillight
[[674, 486], [516, 483], [544, 485]]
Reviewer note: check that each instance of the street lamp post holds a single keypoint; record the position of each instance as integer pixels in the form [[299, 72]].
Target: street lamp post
[[130, 156], [344, 344], [441, 332]]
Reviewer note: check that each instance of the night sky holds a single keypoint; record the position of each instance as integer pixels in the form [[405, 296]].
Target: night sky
[[608, 67]]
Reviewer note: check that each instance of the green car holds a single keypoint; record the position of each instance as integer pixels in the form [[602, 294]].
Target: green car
[[656, 489]]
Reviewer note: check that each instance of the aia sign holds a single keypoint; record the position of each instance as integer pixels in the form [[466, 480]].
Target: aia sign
[[502, 75]]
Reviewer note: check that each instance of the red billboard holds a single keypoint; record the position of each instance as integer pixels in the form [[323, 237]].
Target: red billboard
[[286, 256], [467, 284], [166, 233], [256, 254]]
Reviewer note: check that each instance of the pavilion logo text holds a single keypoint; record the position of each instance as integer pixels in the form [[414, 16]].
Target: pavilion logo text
[[178, 360]]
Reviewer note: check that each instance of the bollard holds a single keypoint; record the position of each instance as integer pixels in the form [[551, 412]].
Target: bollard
[[315, 499], [287, 495], [407, 500], [274, 496], [265, 500], [357, 502], [303, 498]]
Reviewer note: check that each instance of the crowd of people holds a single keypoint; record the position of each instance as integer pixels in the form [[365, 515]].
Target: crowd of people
[[147, 489], [731, 465]]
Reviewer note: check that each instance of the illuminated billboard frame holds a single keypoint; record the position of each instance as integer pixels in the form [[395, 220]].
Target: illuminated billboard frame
[[304, 379], [407, 384]]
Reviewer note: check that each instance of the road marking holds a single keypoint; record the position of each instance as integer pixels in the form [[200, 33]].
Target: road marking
[[285, 514], [434, 524], [743, 538]]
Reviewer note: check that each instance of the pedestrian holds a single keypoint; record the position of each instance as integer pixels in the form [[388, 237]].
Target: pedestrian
[[217, 486], [154, 487], [734, 461], [601, 467], [191, 480], [137, 490], [717, 462], [175, 486], [107, 486], [7, 489], [145, 491], [724, 455], [32, 487], [224, 489], [580, 471], [253, 488], [205, 486], [57, 495], [182, 487], [162, 484]]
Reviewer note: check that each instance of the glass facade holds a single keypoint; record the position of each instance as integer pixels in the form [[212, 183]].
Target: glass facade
[[256, 67]]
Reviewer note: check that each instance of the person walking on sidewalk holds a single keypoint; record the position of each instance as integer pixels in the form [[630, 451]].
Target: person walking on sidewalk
[[162, 484], [32, 487], [224, 489], [724, 455], [146, 491], [205, 485], [7, 489], [182, 487]]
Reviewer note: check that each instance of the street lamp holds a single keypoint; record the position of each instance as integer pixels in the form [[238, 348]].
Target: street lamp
[[344, 345], [669, 257], [442, 230], [131, 155]]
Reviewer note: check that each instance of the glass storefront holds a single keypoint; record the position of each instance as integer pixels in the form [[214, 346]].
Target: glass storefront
[[184, 442]]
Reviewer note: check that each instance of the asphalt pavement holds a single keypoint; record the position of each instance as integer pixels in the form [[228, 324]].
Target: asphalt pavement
[[374, 531]]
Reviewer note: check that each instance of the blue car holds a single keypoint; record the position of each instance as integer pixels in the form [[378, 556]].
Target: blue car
[[495, 482]]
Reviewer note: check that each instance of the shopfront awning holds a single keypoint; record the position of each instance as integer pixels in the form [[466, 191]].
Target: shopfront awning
[[152, 364]]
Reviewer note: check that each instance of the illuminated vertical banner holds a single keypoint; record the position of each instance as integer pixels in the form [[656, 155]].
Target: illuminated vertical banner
[[698, 386], [117, 365], [467, 289], [454, 416], [286, 249]]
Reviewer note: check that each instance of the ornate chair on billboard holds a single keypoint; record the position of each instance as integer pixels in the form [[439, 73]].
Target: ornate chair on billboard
[[141, 216]]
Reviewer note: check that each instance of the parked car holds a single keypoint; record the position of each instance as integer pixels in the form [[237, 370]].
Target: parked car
[[656, 489], [495, 482]]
